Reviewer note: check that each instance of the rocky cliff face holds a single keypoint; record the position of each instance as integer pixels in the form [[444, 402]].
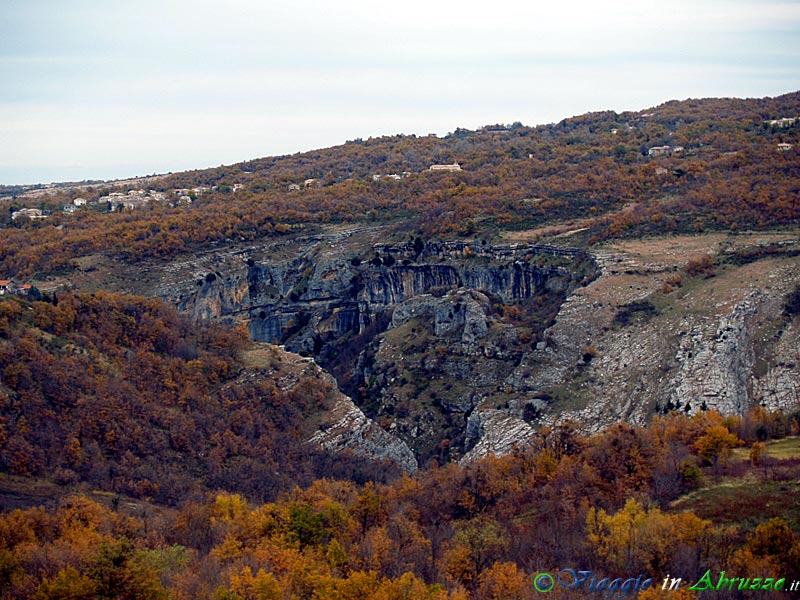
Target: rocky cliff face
[[311, 293], [343, 297], [719, 340], [340, 427], [347, 428], [308, 303], [463, 349]]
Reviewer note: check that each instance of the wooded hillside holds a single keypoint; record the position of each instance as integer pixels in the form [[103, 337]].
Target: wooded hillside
[[123, 394], [682, 166]]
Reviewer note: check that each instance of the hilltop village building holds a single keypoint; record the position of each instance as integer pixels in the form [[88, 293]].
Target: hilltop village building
[[9, 286], [133, 200], [664, 150], [31, 213], [454, 167]]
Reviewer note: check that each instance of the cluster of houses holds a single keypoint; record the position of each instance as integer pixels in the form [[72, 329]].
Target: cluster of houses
[[130, 200], [10, 287], [189, 194], [136, 199], [308, 183], [76, 204], [783, 123], [311, 183], [133, 200]]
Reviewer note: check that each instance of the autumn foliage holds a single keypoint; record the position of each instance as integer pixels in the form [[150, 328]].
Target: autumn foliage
[[481, 531], [211, 494], [124, 394], [591, 172]]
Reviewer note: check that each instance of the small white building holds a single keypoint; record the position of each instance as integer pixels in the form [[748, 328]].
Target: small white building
[[79, 202], [783, 122], [659, 151], [454, 167], [784, 147], [31, 213]]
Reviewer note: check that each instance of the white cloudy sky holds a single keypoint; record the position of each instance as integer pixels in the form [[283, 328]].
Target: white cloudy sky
[[110, 89]]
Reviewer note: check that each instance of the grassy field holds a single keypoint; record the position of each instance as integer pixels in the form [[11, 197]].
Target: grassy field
[[756, 493], [745, 503], [784, 449], [26, 492]]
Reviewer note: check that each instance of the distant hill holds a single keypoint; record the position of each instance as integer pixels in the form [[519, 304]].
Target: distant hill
[[693, 165]]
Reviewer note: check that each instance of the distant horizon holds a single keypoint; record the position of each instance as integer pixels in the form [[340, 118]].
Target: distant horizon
[[119, 90]]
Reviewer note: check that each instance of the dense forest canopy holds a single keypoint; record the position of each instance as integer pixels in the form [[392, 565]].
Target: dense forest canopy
[[486, 531], [124, 394], [118, 393]]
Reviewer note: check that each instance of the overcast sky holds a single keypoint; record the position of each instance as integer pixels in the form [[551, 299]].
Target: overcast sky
[[94, 89]]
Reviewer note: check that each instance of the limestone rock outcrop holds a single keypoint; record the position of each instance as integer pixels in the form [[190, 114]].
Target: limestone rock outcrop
[[425, 347], [346, 427]]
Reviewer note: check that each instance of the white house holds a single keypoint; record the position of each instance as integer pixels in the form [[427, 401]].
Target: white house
[[31, 213], [659, 151], [784, 122], [8, 286], [454, 167]]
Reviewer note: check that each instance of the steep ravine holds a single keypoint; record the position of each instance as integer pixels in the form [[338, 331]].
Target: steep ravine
[[462, 349], [345, 303]]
